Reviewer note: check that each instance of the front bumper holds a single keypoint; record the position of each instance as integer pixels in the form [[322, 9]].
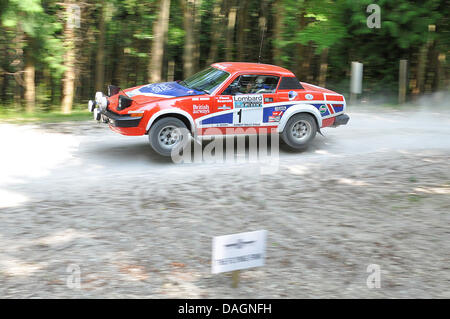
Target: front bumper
[[118, 120], [341, 119], [125, 124]]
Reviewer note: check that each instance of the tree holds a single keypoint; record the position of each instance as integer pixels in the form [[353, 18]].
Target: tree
[[242, 29], [70, 38], [229, 49], [216, 29], [99, 61], [24, 18], [160, 28], [189, 45]]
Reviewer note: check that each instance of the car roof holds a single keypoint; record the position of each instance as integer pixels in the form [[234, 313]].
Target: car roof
[[234, 67]]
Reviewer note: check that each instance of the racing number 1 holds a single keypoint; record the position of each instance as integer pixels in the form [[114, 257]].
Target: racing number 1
[[248, 116], [240, 115]]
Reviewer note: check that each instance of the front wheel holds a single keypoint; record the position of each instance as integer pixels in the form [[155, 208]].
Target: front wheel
[[167, 134], [300, 129]]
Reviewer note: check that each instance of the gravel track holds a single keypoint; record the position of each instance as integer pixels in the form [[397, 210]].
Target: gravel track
[[138, 226]]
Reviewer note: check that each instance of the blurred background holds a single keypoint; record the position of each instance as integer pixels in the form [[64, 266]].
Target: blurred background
[[55, 54]]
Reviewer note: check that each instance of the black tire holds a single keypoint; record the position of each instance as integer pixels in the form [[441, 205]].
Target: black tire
[[299, 131], [160, 136]]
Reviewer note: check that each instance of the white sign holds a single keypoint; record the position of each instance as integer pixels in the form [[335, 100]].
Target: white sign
[[238, 251]]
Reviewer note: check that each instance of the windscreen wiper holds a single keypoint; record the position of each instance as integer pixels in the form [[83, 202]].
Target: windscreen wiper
[[203, 90], [184, 84]]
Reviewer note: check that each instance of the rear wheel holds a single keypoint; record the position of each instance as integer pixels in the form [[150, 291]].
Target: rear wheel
[[299, 131], [167, 134]]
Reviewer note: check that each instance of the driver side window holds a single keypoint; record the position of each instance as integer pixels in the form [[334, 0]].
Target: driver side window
[[252, 84]]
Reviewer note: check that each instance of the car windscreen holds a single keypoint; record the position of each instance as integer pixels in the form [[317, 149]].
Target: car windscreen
[[207, 80]]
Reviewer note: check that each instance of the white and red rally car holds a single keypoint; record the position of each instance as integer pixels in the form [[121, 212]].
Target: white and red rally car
[[226, 98]]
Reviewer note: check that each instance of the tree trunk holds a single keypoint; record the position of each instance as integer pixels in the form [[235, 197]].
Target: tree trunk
[[278, 13], [160, 28], [242, 29], [30, 88], [301, 49], [307, 64], [188, 53], [100, 59], [197, 31], [215, 32], [323, 67], [69, 62], [421, 66], [440, 74], [262, 24], [230, 33]]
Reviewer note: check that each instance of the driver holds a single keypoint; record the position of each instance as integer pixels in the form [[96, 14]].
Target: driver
[[258, 85]]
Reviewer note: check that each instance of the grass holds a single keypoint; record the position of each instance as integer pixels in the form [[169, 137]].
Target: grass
[[15, 116]]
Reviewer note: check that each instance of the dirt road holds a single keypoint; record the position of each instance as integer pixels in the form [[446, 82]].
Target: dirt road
[[77, 197]]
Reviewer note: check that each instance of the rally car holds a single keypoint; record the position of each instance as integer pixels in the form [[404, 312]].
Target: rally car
[[225, 98]]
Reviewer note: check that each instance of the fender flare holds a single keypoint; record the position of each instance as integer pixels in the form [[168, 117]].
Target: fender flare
[[300, 108], [172, 111]]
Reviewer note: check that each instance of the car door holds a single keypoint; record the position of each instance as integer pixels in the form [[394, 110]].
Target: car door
[[245, 97]]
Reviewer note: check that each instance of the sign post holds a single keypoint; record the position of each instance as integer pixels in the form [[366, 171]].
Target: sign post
[[356, 81], [402, 81], [238, 251], [235, 275]]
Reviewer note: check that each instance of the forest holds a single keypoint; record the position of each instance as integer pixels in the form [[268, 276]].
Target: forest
[[54, 55]]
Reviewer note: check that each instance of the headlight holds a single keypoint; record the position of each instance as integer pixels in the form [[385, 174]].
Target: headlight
[[124, 102], [103, 102], [97, 115], [91, 106], [98, 97]]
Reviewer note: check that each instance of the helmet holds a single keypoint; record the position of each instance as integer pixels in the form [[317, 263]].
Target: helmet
[[259, 80]]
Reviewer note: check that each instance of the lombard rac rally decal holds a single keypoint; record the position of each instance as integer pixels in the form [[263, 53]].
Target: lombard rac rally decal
[[248, 100]]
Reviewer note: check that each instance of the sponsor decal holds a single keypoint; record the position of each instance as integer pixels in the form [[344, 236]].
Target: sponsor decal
[[250, 100], [323, 109], [224, 107], [158, 88], [309, 96], [201, 109], [166, 89], [293, 95], [280, 108], [276, 116], [268, 99]]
